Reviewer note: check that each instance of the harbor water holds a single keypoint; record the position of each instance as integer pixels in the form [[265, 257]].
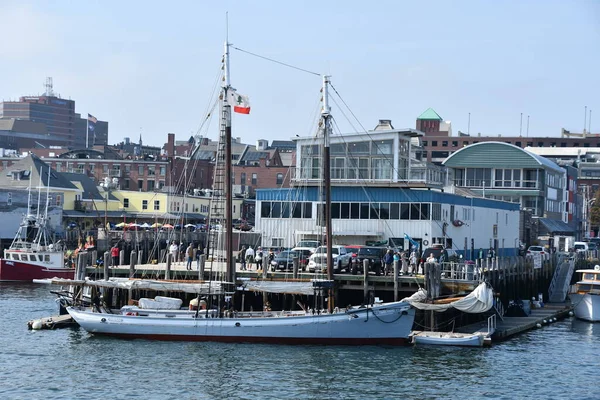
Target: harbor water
[[559, 361]]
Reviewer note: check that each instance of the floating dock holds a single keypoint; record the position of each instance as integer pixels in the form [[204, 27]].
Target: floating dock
[[507, 327], [54, 322]]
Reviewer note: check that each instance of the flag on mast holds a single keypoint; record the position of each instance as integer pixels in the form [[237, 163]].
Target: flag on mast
[[241, 103], [414, 243]]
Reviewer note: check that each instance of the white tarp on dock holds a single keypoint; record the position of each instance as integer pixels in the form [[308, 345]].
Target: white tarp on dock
[[147, 284], [479, 300]]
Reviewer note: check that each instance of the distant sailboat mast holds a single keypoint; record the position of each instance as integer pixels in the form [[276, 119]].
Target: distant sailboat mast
[[326, 119]]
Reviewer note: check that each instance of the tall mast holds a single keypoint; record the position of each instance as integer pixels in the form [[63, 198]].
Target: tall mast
[[29, 193], [228, 227], [326, 118], [39, 194]]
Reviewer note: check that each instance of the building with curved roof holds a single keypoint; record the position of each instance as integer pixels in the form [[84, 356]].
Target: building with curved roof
[[502, 171]]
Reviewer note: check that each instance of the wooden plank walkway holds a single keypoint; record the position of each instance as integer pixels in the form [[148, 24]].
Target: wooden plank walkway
[[511, 326]]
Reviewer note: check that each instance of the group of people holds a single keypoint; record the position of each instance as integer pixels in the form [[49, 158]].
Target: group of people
[[189, 253], [248, 257], [408, 261]]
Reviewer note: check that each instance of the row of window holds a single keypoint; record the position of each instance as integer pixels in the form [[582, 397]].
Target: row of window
[[454, 143], [32, 257], [346, 210], [114, 171], [144, 204], [254, 181]]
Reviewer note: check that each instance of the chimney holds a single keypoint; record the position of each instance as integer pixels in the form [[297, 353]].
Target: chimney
[[170, 145]]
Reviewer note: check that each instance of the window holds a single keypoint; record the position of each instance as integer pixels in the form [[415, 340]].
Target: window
[[127, 168], [58, 200], [254, 178], [279, 179], [140, 184], [126, 184], [150, 185], [434, 143], [140, 170], [157, 205], [151, 170], [58, 167], [243, 178], [105, 168], [144, 204], [126, 203]]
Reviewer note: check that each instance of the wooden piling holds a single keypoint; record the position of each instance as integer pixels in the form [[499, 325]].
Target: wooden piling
[[132, 261], [366, 281], [201, 263], [105, 265], [168, 266], [295, 265], [396, 274], [122, 257]]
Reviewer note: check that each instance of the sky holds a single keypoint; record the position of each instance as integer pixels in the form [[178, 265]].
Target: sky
[[150, 67]]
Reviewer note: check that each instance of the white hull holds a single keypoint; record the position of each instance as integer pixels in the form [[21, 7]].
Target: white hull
[[389, 323], [586, 306], [449, 339]]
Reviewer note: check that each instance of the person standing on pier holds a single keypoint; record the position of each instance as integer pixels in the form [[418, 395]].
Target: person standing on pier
[[114, 252], [173, 249], [242, 257], [190, 256], [249, 257]]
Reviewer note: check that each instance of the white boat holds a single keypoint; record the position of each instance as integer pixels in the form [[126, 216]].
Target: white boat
[[585, 295], [449, 339], [380, 324], [384, 324]]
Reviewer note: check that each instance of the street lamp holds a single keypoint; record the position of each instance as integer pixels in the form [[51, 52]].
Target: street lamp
[[586, 217]]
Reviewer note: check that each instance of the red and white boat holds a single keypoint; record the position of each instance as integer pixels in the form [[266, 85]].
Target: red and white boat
[[33, 254]]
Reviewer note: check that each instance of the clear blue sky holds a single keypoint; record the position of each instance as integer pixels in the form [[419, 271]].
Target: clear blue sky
[[149, 66]]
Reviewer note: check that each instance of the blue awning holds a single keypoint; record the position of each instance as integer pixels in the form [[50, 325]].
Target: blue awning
[[555, 227]]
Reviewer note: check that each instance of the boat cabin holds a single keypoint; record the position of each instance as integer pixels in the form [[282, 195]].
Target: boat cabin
[[590, 281]]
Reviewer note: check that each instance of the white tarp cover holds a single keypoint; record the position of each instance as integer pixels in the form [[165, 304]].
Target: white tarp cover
[[479, 300], [160, 303], [125, 283], [305, 288]]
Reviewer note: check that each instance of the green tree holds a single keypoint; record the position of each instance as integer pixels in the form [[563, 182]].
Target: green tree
[[595, 211]]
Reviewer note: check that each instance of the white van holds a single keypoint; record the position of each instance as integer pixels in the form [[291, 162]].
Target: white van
[[581, 246]]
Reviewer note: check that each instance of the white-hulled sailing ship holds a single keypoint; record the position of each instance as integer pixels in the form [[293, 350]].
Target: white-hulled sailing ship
[[387, 323]]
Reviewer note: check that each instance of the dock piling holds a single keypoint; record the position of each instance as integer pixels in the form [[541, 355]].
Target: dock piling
[[132, 261]]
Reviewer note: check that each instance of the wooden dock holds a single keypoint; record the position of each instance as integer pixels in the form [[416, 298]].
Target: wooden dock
[[508, 327]]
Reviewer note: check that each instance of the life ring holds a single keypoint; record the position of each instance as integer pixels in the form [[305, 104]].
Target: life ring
[[131, 314], [425, 242]]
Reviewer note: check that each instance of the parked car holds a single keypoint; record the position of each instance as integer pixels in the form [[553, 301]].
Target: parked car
[[581, 246], [341, 259], [285, 260], [372, 253], [533, 250], [308, 244]]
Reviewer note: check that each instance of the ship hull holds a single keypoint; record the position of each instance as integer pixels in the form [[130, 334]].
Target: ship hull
[[20, 271], [381, 325], [586, 306]]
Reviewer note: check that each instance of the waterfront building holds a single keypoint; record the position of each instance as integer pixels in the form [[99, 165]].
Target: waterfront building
[[382, 190], [501, 171]]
